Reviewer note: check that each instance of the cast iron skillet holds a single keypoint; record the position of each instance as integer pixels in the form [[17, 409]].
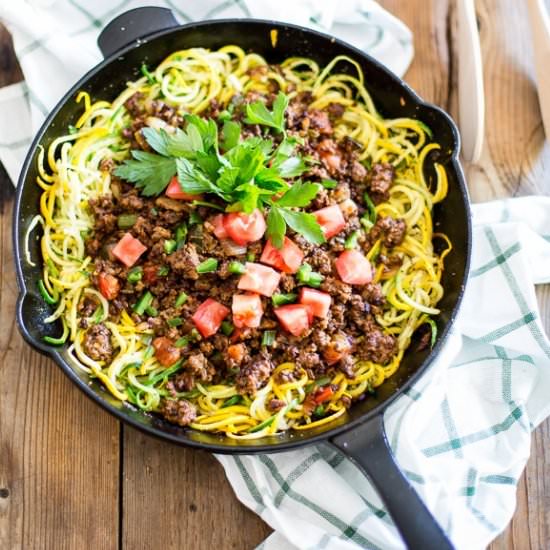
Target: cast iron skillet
[[150, 34]]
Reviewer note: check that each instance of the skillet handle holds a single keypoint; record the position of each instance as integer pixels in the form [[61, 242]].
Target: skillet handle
[[368, 448], [132, 25]]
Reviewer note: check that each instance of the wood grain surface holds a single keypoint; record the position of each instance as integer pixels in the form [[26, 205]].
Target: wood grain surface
[[72, 477]]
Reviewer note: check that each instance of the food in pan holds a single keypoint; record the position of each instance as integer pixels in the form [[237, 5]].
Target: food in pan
[[241, 247]]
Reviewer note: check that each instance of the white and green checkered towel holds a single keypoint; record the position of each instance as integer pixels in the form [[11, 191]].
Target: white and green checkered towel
[[462, 433]]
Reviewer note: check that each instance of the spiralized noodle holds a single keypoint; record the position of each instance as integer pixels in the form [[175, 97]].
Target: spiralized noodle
[[70, 175]]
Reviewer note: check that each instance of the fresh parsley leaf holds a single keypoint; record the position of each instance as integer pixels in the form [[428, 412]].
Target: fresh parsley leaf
[[194, 181], [231, 135], [209, 164], [149, 172], [303, 223], [276, 227], [258, 113], [292, 167], [299, 195], [227, 179], [179, 144], [269, 178], [207, 129], [248, 195], [279, 107]]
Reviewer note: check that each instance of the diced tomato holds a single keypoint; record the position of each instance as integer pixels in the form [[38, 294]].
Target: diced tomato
[[245, 228], [287, 260], [323, 395], [150, 274], [247, 310], [318, 301], [338, 347], [209, 316], [219, 227], [331, 220], [260, 279], [174, 191], [236, 352], [294, 318], [108, 285], [353, 268], [165, 351], [128, 250]]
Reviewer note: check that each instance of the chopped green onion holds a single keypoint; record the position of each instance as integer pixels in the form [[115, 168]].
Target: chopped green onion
[[208, 266], [145, 72], [170, 246], [371, 209], [250, 257], [351, 241], [72, 129], [323, 381], [135, 275], [262, 425], [236, 267], [194, 218], [195, 335], [149, 352], [319, 410], [175, 322], [181, 235], [283, 299], [48, 298], [367, 224], [143, 303], [433, 326], [329, 184], [234, 400], [227, 328], [151, 311], [308, 277], [125, 221], [154, 211], [268, 338], [163, 271], [181, 342], [181, 299]]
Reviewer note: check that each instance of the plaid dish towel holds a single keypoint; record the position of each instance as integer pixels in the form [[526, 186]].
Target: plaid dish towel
[[462, 433]]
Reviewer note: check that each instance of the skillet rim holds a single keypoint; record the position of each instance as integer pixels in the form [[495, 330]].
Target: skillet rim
[[239, 447]]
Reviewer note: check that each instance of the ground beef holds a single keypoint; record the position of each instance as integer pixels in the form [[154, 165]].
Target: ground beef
[[179, 411], [377, 347], [198, 366], [97, 343], [185, 261], [372, 294], [254, 375], [379, 181], [340, 291], [394, 231]]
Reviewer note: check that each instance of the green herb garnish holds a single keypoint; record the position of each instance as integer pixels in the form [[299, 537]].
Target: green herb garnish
[[283, 299], [306, 276]]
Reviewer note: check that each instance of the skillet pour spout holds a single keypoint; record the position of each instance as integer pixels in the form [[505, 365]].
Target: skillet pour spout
[[148, 35]]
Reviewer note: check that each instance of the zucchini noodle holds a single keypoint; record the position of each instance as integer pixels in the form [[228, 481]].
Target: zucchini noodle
[[71, 174]]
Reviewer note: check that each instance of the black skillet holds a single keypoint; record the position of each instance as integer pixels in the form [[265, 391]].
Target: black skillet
[[150, 34]]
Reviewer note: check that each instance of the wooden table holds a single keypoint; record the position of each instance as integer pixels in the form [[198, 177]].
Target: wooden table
[[73, 477]]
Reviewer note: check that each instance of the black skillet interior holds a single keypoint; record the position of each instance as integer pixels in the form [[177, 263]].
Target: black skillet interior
[[392, 97]]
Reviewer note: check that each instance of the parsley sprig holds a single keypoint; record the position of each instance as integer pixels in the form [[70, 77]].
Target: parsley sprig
[[245, 173]]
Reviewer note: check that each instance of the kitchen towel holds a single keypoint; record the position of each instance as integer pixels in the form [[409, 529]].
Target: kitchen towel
[[462, 433]]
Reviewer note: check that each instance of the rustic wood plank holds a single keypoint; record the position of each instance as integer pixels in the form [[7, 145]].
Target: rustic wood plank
[[193, 505], [59, 454]]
